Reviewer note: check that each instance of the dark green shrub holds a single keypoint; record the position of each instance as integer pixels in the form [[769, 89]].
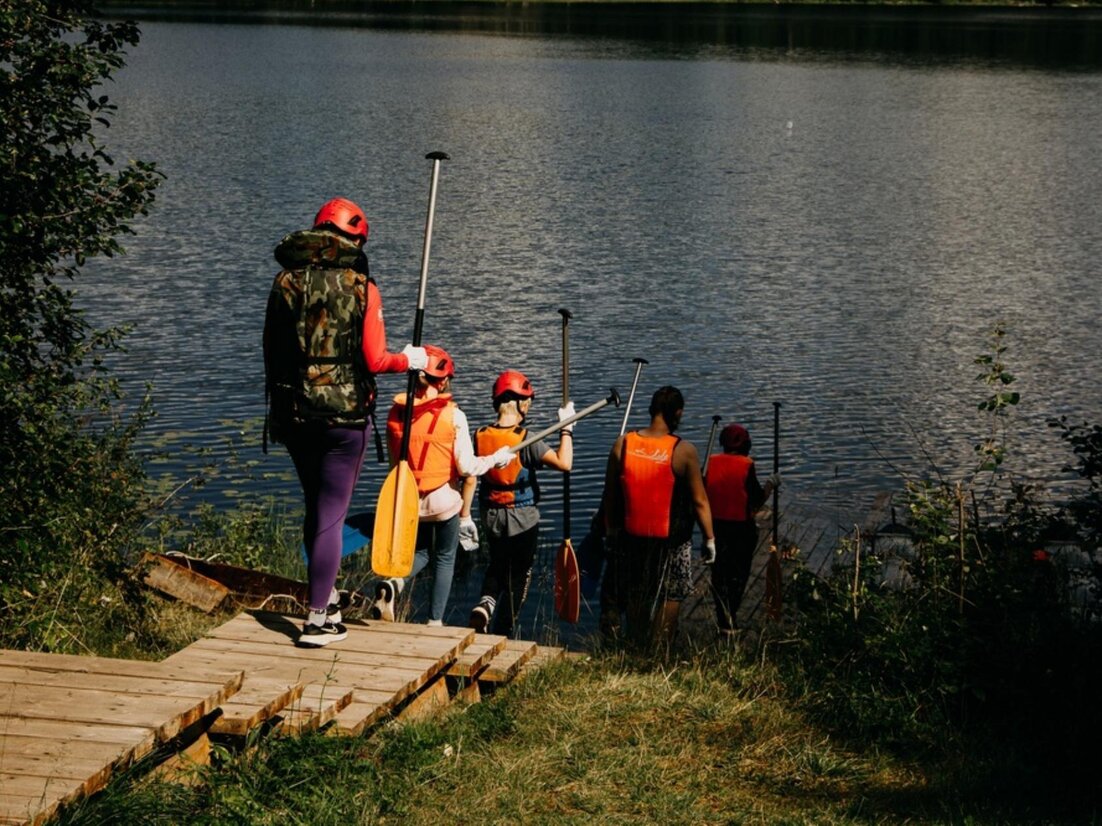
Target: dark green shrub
[[71, 487]]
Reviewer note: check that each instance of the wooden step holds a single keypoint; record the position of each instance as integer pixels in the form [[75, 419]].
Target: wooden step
[[476, 656], [505, 665]]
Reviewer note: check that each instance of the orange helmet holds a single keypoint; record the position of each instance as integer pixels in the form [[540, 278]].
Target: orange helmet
[[440, 364], [342, 215], [513, 381]]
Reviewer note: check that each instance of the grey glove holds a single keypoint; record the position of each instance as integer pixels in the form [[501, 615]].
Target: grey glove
[[775, 480], [418, 358], [708, 551], [468, 533], [502, 456]]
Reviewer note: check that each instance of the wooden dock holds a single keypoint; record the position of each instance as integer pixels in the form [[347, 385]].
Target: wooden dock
[[69, 723]]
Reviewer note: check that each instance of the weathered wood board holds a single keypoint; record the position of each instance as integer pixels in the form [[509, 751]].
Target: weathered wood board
[[379, 665], [67, 723]]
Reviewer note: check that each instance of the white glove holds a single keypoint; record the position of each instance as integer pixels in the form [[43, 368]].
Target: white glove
[[468, 533], [418, 358], [565, 413], [502, 456], [708, 551], [775, 480]]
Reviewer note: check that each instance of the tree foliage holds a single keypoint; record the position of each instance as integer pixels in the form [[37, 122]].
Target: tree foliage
[[68, 474]]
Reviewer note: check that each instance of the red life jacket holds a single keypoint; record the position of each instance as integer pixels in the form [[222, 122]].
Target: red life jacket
[[513, 484], [726, 485], [431, 439], [648, 483]]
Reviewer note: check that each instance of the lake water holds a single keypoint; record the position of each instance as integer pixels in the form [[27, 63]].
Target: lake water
[[829, 208]]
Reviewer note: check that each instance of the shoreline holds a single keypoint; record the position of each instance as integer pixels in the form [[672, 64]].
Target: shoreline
[[345, 7]]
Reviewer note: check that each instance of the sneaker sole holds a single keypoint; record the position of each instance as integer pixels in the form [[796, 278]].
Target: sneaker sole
[[320, 642]]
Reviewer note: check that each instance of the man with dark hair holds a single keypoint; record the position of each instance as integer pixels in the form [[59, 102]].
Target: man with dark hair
[[653, 492]]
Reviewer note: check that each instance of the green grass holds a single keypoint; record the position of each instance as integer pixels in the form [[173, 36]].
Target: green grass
[[611, 740]]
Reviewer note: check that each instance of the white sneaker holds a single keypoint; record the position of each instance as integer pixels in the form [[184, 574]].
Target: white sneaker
[[435, 623], [383, 609]]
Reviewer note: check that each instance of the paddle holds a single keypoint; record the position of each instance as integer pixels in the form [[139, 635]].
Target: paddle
[[773, 581], [639, 362], [708, 449], [567, 583], [613, 398], [395, 531]]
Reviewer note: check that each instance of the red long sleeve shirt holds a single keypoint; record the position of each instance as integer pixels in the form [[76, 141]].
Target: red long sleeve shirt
[[375, 354]]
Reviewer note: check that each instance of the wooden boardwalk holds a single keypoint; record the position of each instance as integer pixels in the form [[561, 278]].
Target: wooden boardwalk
[[68, 723]]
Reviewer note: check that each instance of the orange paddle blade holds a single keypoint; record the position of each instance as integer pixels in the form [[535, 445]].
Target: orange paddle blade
[[773, 585], [567, 583], [395, 533]]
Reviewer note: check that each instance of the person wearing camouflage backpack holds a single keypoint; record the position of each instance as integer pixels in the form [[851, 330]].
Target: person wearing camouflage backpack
[[324, 343]]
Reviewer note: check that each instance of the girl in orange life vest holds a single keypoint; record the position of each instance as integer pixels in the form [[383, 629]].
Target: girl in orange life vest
[[440, 452], [320, 413], [507, 502], [653, 491], [734, 494]]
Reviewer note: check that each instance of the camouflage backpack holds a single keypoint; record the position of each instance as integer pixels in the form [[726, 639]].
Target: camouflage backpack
[[313, 331]]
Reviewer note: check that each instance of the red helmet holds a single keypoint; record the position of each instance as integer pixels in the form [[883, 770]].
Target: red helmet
[[513, 381], [440, 364], [343, 215], [735, 437]]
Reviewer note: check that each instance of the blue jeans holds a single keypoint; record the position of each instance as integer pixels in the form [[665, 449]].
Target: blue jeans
[[438, 541]]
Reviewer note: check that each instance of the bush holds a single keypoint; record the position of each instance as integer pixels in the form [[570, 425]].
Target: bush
[[967, 629], [71, 489]]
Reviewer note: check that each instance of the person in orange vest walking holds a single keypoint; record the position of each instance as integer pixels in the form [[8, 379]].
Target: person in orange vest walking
[[507, 502], [734, 495], [440, 453], [653, 493]]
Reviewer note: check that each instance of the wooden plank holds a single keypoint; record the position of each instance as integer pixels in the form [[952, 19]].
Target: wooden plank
[[477, 655], [181, 767], [469, 694], [505, 665], [167, 716], [283, 629], [427, 703], [41, 757], [164, 574], [359, 676], [103, 682], [320, 703], [38, 796], [290, 623], [57, 663], [248, 587], [143, 737], [258, 700], [261, 657], [359, 715]]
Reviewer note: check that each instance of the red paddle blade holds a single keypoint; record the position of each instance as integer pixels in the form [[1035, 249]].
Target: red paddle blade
[[567, 583]]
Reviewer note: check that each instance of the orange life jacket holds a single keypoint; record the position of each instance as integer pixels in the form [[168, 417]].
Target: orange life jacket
[[513, 484], [648, 482], [431, 439], [726, 485]]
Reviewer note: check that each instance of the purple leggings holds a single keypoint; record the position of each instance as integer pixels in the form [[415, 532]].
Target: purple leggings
[[328, 461]]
